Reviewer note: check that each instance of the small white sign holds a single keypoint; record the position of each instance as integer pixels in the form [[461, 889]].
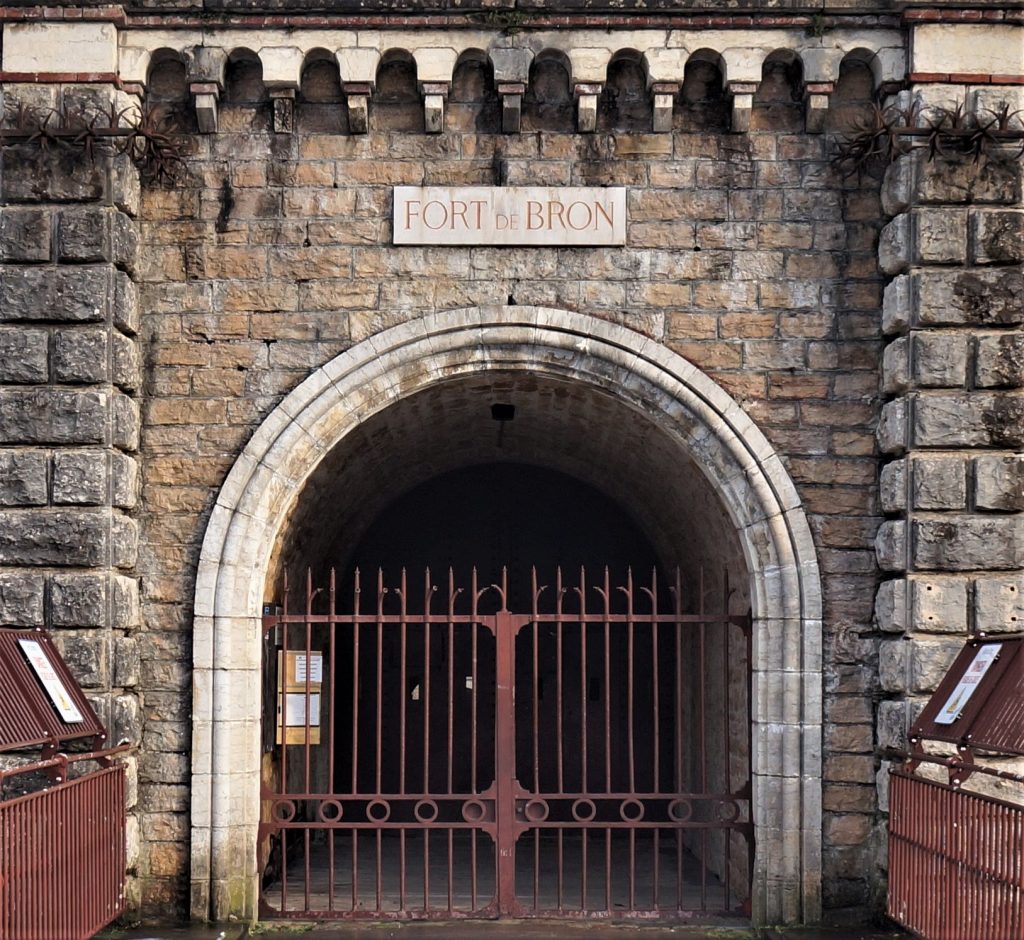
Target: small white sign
[[50, 681], [295, 705], [966, 687], [510, 215], [316, 669]]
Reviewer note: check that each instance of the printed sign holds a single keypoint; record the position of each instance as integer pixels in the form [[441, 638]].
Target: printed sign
[[48, 678], [316, 670], [296, 709], [966, 687], [510, 215]]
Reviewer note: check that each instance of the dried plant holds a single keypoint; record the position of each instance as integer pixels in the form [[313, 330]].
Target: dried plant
[[145, 134], [881, 136]]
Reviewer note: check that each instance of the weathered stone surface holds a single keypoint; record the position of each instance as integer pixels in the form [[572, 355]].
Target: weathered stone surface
[[960, 181], [916, 665], [126, 724], [21, 599], [940, 359], [896, 304], [87, 656], [940, 236], [23, 356], [59, 538], [126, 363], [999, 482], [939, 605], [126, 425], [891, 606], [124, 602], [890, 546], [895, 244], [22, 478], [68, 294], [955, 298], [80, 478], [977, 420], [126, 304], [78, 600], [97, 233], [999, 604], [58, 175], [939, 482], [997, 236], [1000, 361], [52, 416], [893, 723], [80, 355], [892, 427], [126, 661], [893, 486], [24, 234], [896, 366], [968, 543]]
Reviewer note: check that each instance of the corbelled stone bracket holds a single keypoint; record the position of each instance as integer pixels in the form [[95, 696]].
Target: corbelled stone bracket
[[283, 100], [664, 94], [434, 96], [205, 96], [511, 106], [586, 95], [816, 99], [742, 103], [357, 100]]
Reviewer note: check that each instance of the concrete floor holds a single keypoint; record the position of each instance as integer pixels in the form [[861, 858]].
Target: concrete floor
[[482, 930]]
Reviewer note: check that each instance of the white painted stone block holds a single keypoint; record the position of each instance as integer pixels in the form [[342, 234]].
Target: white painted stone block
[[995, 49], [358, 65], [60, 47]]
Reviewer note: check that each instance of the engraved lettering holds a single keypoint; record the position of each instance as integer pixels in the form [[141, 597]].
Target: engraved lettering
[[585, 221], [555, 208], [534, 215], [608, 213], [409, 213], [459, 209], [426, 213]]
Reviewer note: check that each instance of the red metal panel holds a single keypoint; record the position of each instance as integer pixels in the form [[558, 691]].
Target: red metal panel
[[955, 862], [568, 807], [62, 858], [27, 717]]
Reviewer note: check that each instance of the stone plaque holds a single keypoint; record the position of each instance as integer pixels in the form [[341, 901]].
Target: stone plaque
[[510, 215]]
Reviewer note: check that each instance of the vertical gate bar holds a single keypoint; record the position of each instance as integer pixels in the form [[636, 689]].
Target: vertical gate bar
[[380, 677], [472, 862], [282, 674], [426, 869], [284, 870], [450, 867], [582, 591], [702, 725], [505, 757], [560, 866], [558, 684], [536, 695], [677, 596], [474, 598], [355, 685], [657, 870], [451, 675], [355, 869], [583, 870], [307, 872], [426, 680], [377, 873], [727, 735], [632, 868], [606, 597], [332, 626], [308, 691], [401, 870], [656, 782], [536, 868], [607, 868], [403, 688], [630, 663]]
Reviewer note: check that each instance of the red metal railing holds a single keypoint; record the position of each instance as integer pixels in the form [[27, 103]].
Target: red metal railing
[[956, 861], [62, 854]]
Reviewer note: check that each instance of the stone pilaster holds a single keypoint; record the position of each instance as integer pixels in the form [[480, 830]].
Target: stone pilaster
[[69, 421], [953, 425]]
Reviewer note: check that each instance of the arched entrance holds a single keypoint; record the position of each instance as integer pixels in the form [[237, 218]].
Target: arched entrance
[[678, 455]]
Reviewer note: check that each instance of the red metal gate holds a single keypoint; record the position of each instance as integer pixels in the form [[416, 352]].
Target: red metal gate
[[433, 756]]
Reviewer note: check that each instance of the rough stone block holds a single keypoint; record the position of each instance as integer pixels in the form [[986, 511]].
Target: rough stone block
[[999, 482], [126, 661], [891, 606], [939, 483], [21, 599], [125, 185], [939, 605], [124, 541], [126, 304], [78, 600], [896, 305], [126, 720], [940, 236], [890, 545], [893, 486], [893, 724], [24, 234], [891, 432], [124, 480], [57, 538], [88, 658], [940, 359], [999, 604], [126, 362], [52, 416], [895, 245], [80, 355], [23, 356], [60, 175], [999, 361], [894, 665], [977, 420], [80, 478], [968, 544], [984, 296], [125, 609], [962, 181], [896, 366], [22, 478], [897, 186], [997, 236], [929, 662], [62, 294], [126, 423], [97, 233]]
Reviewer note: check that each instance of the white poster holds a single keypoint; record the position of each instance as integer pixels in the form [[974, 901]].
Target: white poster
[[295, 703], [965, 688], [316, 668], [51, 683]]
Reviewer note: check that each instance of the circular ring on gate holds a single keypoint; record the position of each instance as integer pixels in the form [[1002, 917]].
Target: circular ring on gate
[[536, 810], [425, 811], [329, 811], [473, 811], [680, 810], [584, 810], [282, 811], [631, 810], [728, 810], [378, 811]]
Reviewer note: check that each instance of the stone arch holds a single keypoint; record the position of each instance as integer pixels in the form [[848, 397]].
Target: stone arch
[[734, 456]]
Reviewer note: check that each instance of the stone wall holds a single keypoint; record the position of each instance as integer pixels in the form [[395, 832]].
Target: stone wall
[[70, 373]]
